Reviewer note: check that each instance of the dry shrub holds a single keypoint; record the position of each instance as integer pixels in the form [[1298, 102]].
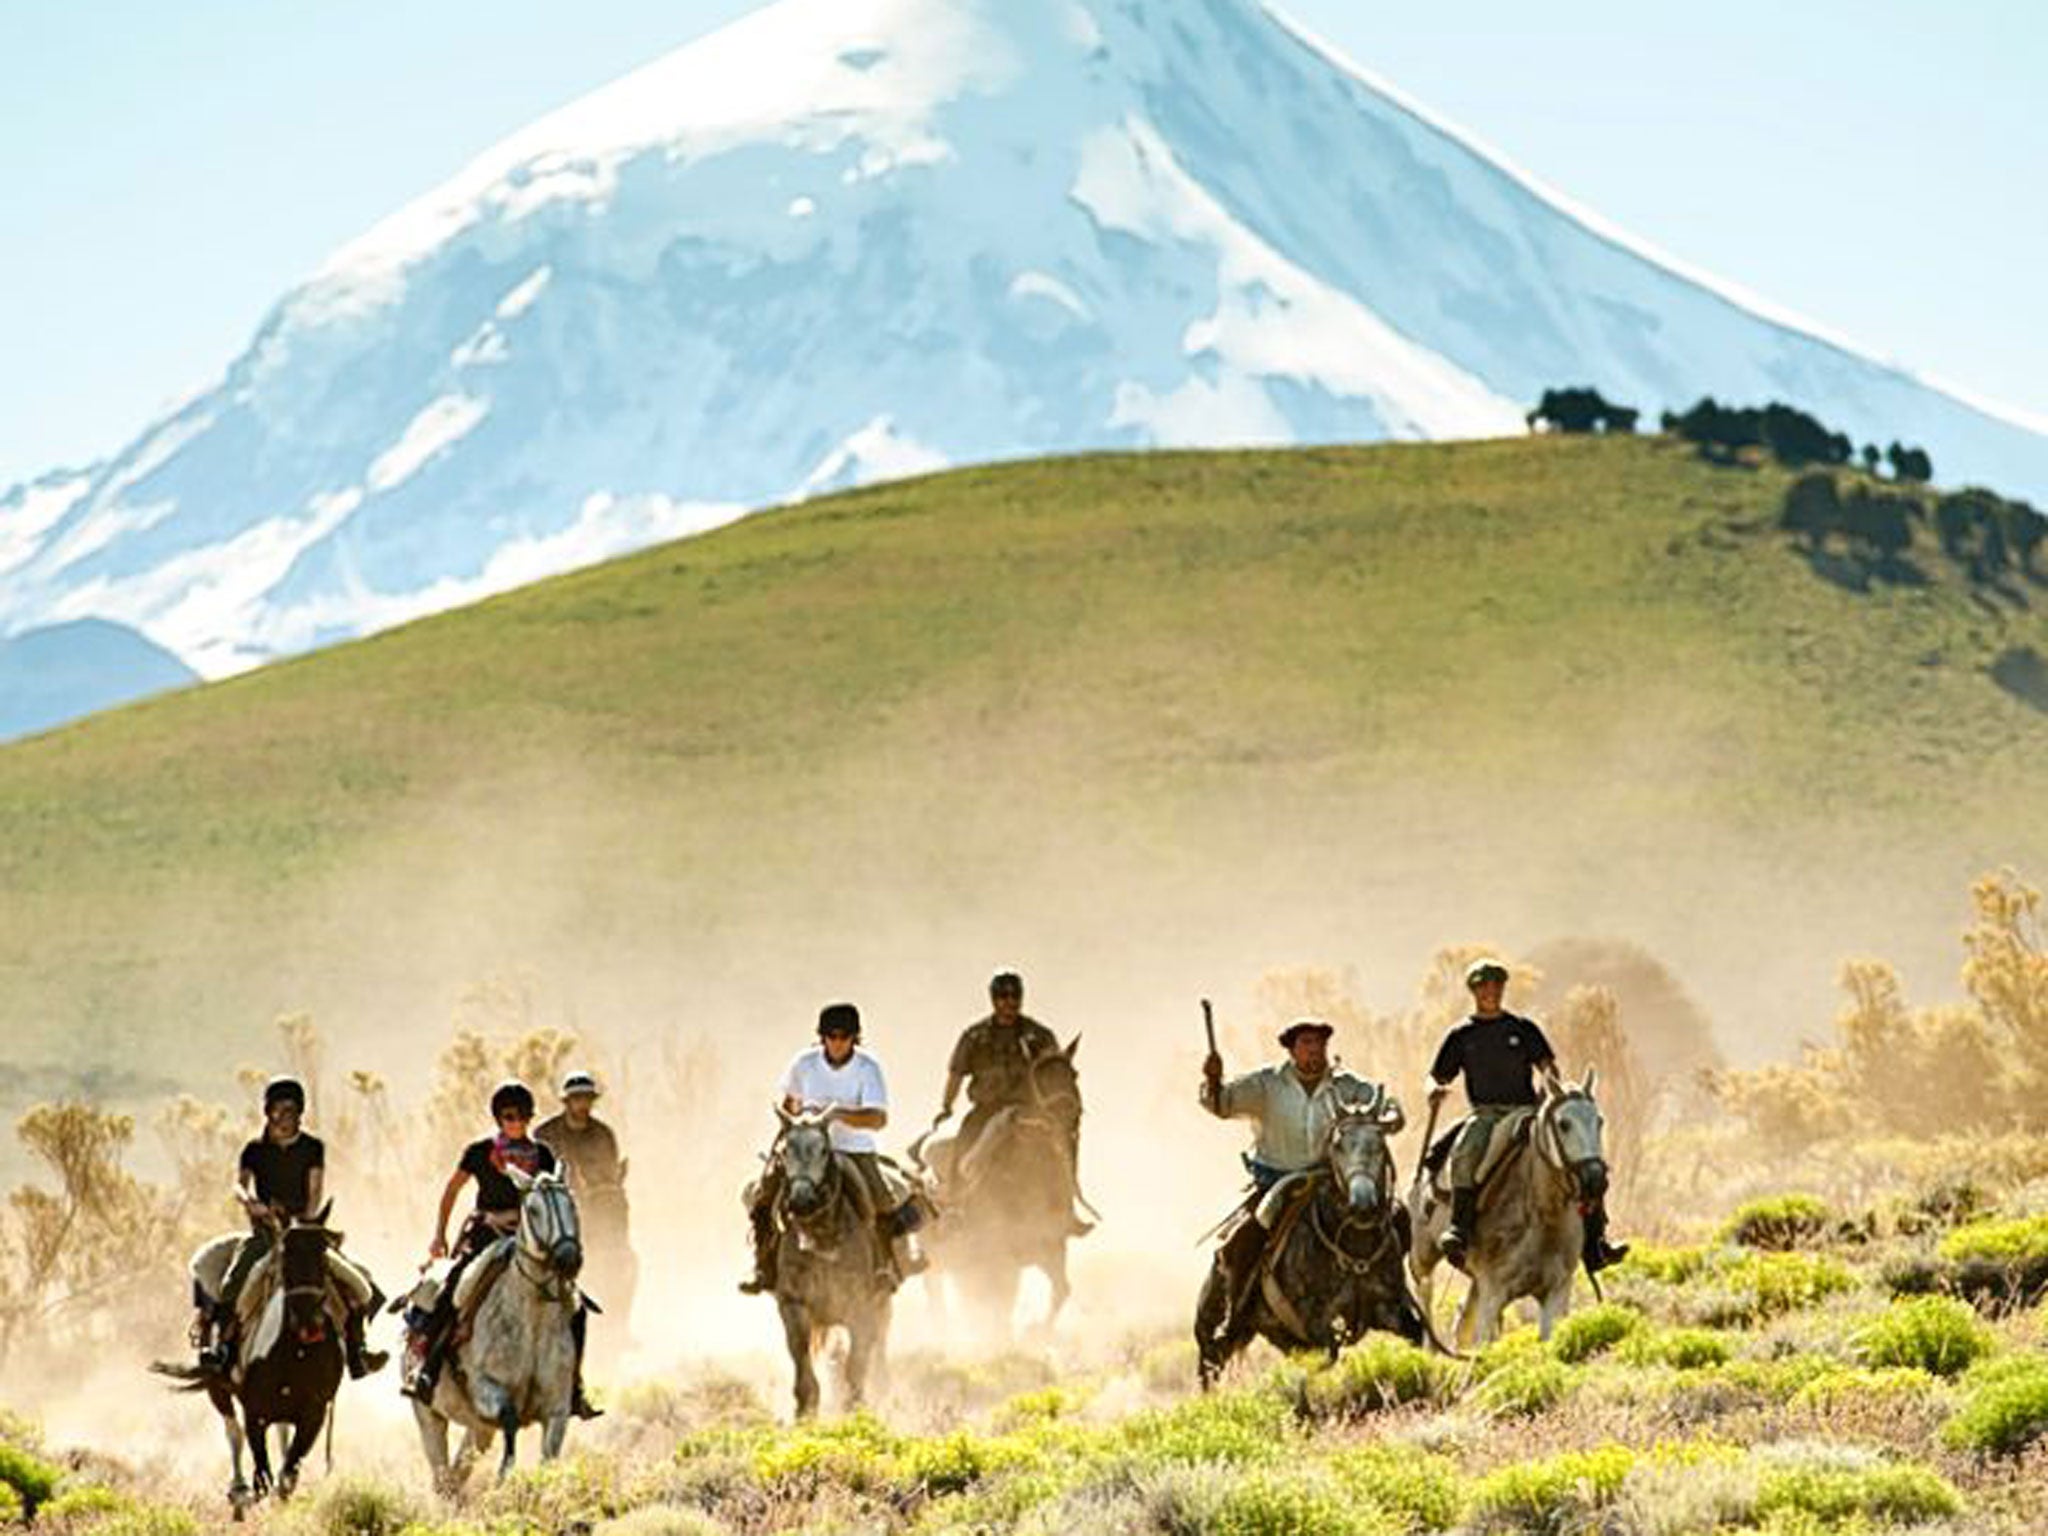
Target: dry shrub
[[1892, 1070]]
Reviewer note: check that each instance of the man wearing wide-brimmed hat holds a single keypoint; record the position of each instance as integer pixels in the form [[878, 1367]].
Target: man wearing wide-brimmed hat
[[1293, 1102]]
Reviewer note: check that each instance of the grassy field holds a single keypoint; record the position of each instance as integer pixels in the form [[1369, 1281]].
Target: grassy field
[[1141, 722], [1773, 1385]]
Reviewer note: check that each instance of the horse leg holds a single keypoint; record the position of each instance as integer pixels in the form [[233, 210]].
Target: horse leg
[[258, 1431], [305, 1434], [796, 1333], [508, 1426], [1055, 1271], [552, 1436], [1554, 1304], [238, 1490], [434, 1443]]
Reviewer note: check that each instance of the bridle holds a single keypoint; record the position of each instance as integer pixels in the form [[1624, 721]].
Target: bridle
[[831, 1192], [1587, 1176], [1379, 1222], [549, 1250]]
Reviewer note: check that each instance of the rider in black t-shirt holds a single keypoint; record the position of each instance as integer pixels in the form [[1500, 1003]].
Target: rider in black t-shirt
[[1500, 1055], [495, 1214], [281, 1178]]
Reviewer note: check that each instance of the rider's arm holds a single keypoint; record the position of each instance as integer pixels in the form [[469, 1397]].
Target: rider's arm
[[953, 1081], [863, 1119], [1242, 1098], [448, 1197], [1392, 1117], [316, 1186]]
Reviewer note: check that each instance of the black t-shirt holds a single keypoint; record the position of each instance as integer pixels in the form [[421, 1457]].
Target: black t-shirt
[[283, 1170], [1498, 1056], [485, 1162]]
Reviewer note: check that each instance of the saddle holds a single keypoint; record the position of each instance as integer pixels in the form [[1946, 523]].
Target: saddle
[[1511, 1133]]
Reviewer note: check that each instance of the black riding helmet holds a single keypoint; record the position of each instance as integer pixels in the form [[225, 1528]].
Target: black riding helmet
[[512, 1095], [839, 1019], [1006, 983], [284, 1090]]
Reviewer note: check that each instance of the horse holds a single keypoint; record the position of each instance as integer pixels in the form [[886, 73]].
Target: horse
[[1333, 1268], [1531, 1232], [288, 1362], [1013, 1210], [830, 1265], [518, 1364]]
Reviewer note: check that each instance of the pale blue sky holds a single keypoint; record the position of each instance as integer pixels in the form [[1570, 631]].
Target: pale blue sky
[[169, 170]]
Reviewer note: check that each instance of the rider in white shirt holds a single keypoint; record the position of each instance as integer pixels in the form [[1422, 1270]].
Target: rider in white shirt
[[837, 1073]]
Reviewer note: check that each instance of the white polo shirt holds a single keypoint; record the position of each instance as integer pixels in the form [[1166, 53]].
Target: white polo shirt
[[814, 1083]]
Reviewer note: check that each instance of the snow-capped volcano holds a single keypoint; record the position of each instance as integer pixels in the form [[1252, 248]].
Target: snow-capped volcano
[[844, 239]]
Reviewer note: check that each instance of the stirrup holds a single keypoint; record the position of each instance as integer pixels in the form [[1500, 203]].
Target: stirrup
[[756, 1285]]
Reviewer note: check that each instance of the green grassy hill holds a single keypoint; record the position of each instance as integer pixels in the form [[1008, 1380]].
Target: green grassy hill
[[1143, 724]]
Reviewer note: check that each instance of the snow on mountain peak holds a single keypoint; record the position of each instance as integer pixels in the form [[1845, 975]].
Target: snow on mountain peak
[[848, 239]]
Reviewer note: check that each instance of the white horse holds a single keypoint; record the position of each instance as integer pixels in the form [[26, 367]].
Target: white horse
[[1531, 1233], [518, 1365]]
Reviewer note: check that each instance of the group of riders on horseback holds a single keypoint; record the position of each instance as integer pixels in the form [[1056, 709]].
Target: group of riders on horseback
[[836, 1226]]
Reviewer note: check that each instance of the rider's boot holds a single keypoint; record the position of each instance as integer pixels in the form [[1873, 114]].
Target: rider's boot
[[208, 1330], [763, 1278], [428, 1373], [1464, 1228], [361, 1362], [579, 1404], [1599, 1253]]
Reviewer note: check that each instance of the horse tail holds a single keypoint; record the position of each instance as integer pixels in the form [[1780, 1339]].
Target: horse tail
[[184, 1378]]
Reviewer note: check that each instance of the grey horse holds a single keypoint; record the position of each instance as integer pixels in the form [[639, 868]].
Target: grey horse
[[830, 1266], [518, 1365], [1337, 1268], [1532, 1234]]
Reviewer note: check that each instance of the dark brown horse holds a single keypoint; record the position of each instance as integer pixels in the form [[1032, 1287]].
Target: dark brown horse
[[1012, 1208], [287, 1365], [1335, 1268]]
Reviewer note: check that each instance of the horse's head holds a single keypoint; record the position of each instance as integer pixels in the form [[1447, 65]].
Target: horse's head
[[1570, 1130], [549, 1230], [302, 1263], [1054, 1084], [1355, 1151], [805, 1154]]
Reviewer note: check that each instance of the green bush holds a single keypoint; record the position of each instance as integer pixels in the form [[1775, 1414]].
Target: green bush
[[2020, 1240], [1267, 1503], [11, 1511], [1552, 1494], [1422, 1488], [1685, 1349], [1835, 1490], [1889, 1387], [88, 1502], [1583, 1335], [660, 1520], [30, 1477], [1667, 1266], [1378, 1372], [1778, 1224], [1759, 1286], [362, 1506], [1244, 1427], [1523, 1388], [145, 1520], [1936, 1334], [2007, 1408]]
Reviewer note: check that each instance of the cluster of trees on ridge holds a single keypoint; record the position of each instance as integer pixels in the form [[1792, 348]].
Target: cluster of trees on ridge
[[1793, 437], [1986, 534]]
